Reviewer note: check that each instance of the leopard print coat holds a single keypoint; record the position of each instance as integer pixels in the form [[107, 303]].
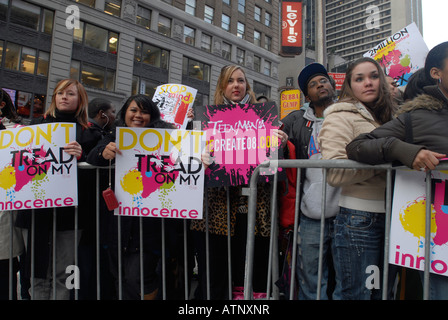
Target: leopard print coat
[[217, 210]]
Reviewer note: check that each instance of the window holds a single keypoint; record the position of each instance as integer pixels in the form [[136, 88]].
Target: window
[[43, 63], [226, 51], [257, 38], [240, 30], [190, 7], [189, 35], [267, 68], [261, 89], [25, 59], [3, 9], [27, 104], [206, 42], [267, 43], [143, 17], [90, 3], [195, 69], [149, 54], [257, 14], [12, 56], [28, 60], [96, 76], [226, 2], [209, 12], [267, 19], [164, 26], [25, 14], [28, 15], [113, 7], [144, 86], [241, 5], [240, 55], [257, 63], [96, 37], [225, 22], [1, 52]]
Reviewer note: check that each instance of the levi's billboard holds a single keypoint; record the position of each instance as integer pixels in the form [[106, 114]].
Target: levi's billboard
[[291, 27]]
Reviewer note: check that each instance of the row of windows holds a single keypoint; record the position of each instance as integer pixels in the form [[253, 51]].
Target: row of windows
[[101, 75], [24, 59]]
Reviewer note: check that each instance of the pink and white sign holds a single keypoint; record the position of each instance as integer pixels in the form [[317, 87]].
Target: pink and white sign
[[239, 138]]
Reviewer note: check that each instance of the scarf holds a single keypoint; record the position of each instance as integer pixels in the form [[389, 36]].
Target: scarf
[[245, 100]]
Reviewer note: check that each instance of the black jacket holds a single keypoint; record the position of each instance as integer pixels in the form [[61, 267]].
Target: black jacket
[[65, 216], [427, 129], [299, 132]]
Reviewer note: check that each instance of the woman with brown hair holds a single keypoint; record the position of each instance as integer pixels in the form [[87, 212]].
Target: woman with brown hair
[[364, 105], [68, 104]]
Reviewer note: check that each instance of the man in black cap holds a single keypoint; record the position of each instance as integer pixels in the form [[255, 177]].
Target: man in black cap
[[302, 127]]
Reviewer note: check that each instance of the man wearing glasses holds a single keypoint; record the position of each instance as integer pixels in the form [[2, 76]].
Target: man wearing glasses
[[302, 127]]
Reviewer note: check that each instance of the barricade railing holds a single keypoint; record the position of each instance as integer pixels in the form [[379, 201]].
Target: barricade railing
[[187, 250], [325, 165], [273, 266]]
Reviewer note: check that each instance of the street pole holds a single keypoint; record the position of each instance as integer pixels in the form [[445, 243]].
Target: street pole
[[320, 33]]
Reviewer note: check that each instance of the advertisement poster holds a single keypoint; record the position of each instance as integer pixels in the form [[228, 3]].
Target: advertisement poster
[[159, 173], [338, 78], [174, 100], [239, 138], [35, 171], [289, 101], [401, 54], [407, 239]]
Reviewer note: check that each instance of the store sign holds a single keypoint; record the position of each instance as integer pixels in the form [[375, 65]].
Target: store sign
[[291, 28]]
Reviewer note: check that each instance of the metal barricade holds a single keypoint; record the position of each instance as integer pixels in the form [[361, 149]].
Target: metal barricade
[[187, 251], [251, 192], [325, 165]]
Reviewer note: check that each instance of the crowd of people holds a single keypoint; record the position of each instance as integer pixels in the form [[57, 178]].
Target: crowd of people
[[368, 122]]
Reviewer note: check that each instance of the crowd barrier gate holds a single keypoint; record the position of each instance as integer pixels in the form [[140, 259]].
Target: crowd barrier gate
[[251, 192], [325, 165]]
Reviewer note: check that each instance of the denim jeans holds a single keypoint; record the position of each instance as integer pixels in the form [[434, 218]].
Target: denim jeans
[[359, 241], [308, 258]]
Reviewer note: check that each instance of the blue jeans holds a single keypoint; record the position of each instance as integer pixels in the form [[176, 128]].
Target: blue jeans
[[308, 258], [359, 241]]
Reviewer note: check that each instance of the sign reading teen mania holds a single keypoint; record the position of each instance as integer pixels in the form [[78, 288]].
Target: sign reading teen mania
[[35, 171], [401, 54], [159, 173], [239, 138], [174, 100], [407, 238]]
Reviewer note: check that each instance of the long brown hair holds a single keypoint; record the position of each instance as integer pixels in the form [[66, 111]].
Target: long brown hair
[[226, 73], [382, 108], [83, 100]]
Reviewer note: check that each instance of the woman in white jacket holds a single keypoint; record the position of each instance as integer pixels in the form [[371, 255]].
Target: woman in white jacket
[[365, 104]]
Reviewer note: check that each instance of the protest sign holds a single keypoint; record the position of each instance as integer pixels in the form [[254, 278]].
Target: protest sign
[[401, 54], [174, 100], [35, 171], [407, 238], [159, 173], [239, 138]]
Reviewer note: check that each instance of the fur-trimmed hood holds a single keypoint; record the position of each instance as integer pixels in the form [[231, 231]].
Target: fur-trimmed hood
[[433, 99]]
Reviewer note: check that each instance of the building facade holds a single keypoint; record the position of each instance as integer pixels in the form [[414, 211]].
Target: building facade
[[354, 27], [121, 47]]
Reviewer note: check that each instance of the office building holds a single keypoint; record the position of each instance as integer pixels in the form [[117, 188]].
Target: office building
[[120, 47]]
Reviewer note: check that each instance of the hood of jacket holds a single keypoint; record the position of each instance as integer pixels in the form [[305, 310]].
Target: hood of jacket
[[356, 107], [433, 99]]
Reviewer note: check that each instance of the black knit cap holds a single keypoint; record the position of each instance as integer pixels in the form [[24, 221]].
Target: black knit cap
[[309, 72]]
